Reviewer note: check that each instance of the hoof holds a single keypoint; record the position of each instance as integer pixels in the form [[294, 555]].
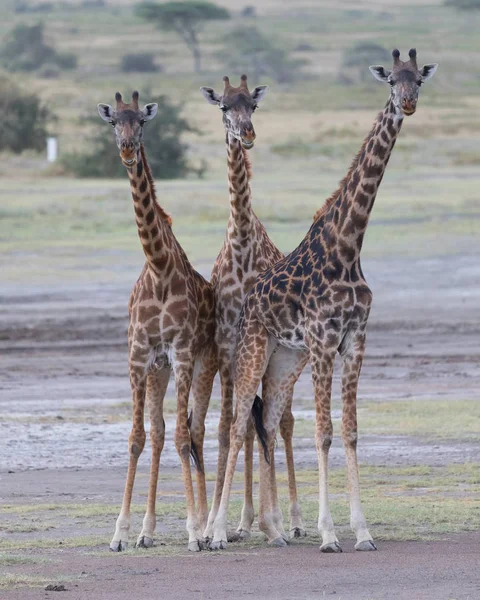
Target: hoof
[[243, 534], [332, 547], [194, 546], [297, 532], [278, 542], [221, 545], [365, 546], [144, 542], [118, 546]]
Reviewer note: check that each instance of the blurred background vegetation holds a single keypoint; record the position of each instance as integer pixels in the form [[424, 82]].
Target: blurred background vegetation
[[61, 57]]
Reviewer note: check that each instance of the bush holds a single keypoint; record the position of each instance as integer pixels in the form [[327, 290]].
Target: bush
[[23, 119], [138, 63], [25, 50], [361, 55], [49, 71], [165, 151], [248, 50], [465, 5]]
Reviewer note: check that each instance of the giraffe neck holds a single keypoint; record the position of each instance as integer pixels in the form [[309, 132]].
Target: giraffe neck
[[349, 208], [239, 173], [153, 223]]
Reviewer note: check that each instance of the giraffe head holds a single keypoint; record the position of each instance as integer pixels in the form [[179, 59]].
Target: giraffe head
[[238, 105], [405, 80], [127, 121]]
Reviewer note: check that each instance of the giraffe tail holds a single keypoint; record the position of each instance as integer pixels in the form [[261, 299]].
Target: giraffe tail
[[193, 449], [257, 414]]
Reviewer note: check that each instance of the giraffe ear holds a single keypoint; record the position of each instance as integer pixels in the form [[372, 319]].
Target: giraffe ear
[[428, 71], [380, 73], [210, 95], [259, 92], [105, 111], [150, 111]]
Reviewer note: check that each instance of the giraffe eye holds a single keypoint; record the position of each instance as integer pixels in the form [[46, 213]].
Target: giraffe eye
[[142, 122], [224, 108], [419, 82], [391, 82], [112, 123], [254, 108]]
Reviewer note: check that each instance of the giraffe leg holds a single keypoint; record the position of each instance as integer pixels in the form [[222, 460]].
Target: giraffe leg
[[352, 356], [136, 443], [157, 382], [283, 370], [183, 379], [322, 371], [204, 374], [248, 512], [252, 356], [226, 417]]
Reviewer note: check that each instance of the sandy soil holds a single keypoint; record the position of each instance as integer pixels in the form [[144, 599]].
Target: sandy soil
[[64, 423]]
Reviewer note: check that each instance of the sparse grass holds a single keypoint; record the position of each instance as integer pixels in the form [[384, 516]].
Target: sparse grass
[[13, 580], [21, 559], [431, 419], [442, 419]]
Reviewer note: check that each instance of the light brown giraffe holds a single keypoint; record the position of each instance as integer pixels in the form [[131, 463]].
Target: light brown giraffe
[[247, 251], [172, 318], [312, 304]]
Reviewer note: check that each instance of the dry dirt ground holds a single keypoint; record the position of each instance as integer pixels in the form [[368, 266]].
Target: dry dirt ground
[[64, 423]]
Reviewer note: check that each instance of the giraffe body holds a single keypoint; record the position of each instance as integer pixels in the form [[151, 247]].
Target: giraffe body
[[247, 251], [171, 330], [312, 304]]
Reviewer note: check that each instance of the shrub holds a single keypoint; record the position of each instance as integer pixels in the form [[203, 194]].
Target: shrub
[[165, 150], [361, 55], [248, 50], [23, 119], [138, 63], [465, 5], [25, 50]]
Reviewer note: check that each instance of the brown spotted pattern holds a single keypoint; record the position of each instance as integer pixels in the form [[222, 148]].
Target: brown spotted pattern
[[312, 304], [247, 251], [171, 329]]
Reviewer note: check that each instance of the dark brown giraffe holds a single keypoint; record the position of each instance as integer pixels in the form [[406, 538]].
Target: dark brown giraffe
[[314, 303], [247, 251], [172, 319]]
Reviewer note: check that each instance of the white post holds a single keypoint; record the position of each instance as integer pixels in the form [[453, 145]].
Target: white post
[[52, 149]]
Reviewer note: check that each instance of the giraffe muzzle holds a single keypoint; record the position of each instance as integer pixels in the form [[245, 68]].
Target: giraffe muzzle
[[409, 107]]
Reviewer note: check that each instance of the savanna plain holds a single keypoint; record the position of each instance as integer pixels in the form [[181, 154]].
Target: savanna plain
[[69, 256]]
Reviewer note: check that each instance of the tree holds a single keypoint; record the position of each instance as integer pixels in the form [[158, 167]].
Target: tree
[[25, 49], [247, 49], [185, 18], [363, 54], [23, 118], [166, 153]]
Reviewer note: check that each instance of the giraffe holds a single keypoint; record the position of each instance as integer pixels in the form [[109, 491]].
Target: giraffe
[[313, 303], [172, 322], [246, 252]]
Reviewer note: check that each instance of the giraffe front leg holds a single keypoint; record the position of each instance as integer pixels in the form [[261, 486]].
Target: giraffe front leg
[[322, 371], [204, 374], [251, 361], [183, 380], [248, 512], [226, 417], [352, 357], [157, 382], [136, 443]]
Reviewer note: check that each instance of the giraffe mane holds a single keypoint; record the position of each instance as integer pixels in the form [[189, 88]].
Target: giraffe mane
[[329, 201], [248, 163], [161, 213]]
